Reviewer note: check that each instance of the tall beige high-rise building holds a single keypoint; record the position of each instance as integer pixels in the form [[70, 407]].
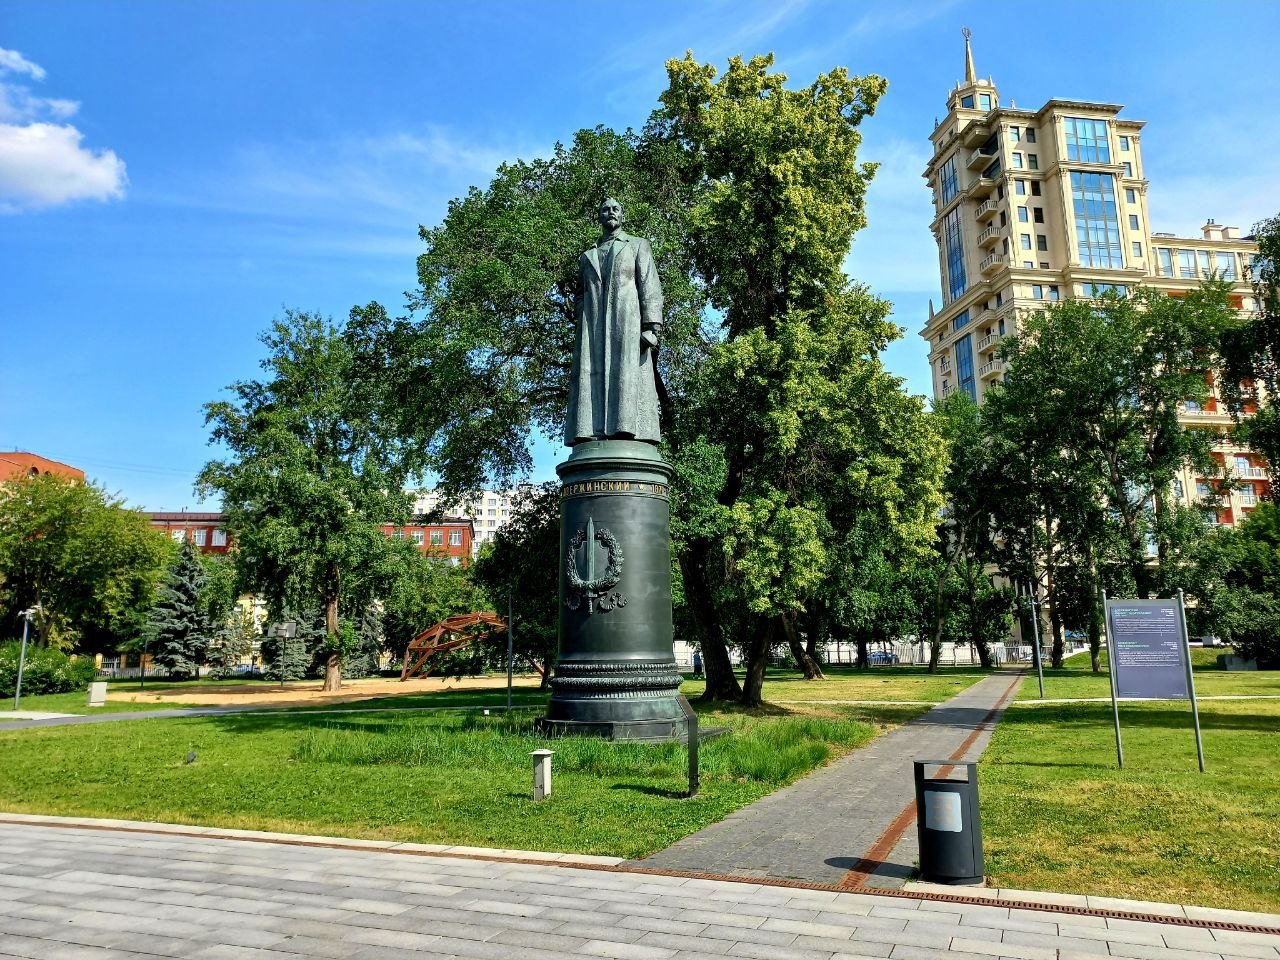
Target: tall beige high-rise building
[[1035, 206]]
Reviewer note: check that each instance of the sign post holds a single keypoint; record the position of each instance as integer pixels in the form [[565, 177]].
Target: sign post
[[1191, 681], [1111, 677], [1036, 653], [1149, 656]]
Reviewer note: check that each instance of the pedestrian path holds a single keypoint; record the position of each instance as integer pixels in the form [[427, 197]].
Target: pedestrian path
[[853, 815], [70, 893]]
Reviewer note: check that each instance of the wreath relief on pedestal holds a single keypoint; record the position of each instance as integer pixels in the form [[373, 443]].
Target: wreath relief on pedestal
[[583, 583]]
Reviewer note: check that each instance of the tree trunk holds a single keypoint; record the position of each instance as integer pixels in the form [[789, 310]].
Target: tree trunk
[[757, 659], [1055, 655], [863, 659], [984, 654], [722, 685], [333, 663], [808, 666]]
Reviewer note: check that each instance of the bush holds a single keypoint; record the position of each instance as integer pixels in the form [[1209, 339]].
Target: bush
[[46, 671]]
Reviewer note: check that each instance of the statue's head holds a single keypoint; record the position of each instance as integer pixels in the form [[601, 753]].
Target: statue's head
[[611, 214]]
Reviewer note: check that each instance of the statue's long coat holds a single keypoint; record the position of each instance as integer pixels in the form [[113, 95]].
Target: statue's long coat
[[613, 388]]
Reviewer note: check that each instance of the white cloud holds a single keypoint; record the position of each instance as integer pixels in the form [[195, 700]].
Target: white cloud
[[42, 161], [43, 165], [11, 61]]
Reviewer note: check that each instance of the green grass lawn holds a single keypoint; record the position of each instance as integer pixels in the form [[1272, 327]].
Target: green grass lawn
[[448, 777], [77, 702], [1058, 815], [1076, 679]]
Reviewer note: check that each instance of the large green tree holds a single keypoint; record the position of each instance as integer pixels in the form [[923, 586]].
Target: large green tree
[[313, 470], [92, 566], [1088, 418], [814, 439]]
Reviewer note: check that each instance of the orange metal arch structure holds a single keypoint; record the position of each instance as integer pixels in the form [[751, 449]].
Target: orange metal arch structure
[[451, 633]]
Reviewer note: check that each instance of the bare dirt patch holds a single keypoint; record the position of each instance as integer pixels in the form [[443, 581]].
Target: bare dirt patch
[[308, 692]]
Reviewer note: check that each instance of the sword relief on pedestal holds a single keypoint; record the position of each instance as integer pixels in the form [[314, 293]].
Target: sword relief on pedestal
[[581, 573]]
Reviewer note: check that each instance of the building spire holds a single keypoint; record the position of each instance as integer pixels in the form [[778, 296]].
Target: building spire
[[970, 75]]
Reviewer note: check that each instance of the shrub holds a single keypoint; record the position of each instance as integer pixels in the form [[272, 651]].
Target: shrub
[[46, 671]]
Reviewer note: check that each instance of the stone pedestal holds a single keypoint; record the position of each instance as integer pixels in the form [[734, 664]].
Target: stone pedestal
[[616, 676]]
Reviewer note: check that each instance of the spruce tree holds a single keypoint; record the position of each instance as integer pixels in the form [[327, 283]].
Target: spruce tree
[[292, 658], [233, 642], [179, 625]]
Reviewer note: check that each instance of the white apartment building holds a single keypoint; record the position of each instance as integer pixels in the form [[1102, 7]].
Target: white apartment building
[[489, 510]]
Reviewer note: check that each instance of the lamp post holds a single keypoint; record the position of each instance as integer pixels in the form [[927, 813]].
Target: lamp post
[[511, 626], [284, 632], [26, 615]]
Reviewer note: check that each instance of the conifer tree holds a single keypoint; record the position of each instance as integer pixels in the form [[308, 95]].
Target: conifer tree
[[179, 625], [232, 643]]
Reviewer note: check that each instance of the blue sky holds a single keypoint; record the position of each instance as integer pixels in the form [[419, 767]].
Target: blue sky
[[173, 174]]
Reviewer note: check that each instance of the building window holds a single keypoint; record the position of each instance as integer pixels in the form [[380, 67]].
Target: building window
[[1044, 265], [1187, 264], [1035, 188], [1178, 490], [964, 366], [1029, 264], [1130, 195], [984, 101], [1031, 134], [1087, 140], [177, 534], [219, 538], [1020, 187], [1128, 169], [437, 538], [1227, 266], [491, 523], [1042, 242], [493, 502], [1133, 221], [956, 280], [1000, 326], [417, 537], [1097, 228], [455, 538], [1022, 215], [1037, 291], [397, 534], [1015, 134], [1026, 241], [1033, 161], [1206, 263], [960, 320], [1039, 214], [1004, 220], [1164, 257], [1017, 161], [1137, 250], [1000, 302], [202, 537], [1124, 144], [950, 182], [992, 171], [1054, 294]]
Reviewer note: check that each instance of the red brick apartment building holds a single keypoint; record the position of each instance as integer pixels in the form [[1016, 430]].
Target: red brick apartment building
[[18, 463], [451, 538]]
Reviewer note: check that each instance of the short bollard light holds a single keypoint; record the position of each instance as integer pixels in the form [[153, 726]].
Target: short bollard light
[[541, 773], [97, 694]]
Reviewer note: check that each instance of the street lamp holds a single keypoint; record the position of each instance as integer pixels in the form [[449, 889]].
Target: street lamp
[[27, 616], [284, 632]]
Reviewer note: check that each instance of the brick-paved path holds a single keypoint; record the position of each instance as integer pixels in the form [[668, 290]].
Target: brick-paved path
[[821, 826], [77, 894]]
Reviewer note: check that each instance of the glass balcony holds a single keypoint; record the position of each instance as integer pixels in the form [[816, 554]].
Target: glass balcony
[[979, 159]]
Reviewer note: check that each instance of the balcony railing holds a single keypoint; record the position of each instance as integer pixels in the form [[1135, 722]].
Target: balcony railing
[[979, 158], [992, 368], [1250, 473], [990, 340], [991, 262], [989, 235], [1248, 498], [948, 390], [983, 186], [988, 208]]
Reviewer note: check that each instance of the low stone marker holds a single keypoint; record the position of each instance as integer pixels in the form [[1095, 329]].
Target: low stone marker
[[541, 773], [97, 694]]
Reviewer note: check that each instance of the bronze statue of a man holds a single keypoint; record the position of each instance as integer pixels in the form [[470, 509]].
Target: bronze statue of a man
[[613, 391]]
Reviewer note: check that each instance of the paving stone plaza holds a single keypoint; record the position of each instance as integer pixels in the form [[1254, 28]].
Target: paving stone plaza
[[109, 894]]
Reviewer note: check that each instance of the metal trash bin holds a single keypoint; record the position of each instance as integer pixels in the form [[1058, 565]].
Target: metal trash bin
[[949, 825]]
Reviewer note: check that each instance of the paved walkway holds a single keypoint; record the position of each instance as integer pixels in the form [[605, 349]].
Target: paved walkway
[[856, 813], [80, 894]]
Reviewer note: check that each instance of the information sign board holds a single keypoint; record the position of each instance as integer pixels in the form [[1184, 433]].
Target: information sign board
[[1147, 649]]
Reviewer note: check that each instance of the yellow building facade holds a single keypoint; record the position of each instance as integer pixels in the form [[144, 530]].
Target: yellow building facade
[[1037, 206]]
